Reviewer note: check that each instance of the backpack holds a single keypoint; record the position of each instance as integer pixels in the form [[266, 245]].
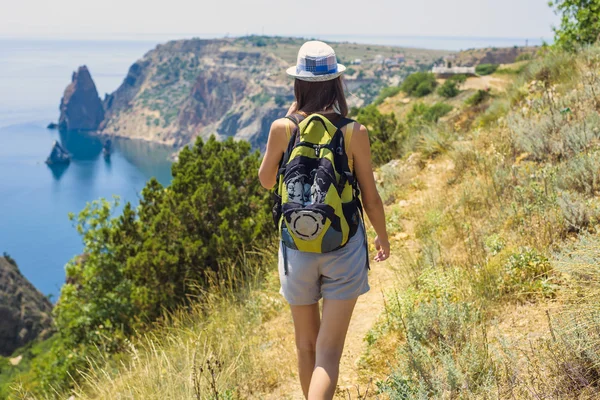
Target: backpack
[[317, 207]]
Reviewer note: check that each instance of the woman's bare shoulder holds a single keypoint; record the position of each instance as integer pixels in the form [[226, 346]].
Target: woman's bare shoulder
[[360, 130], [280, 124]]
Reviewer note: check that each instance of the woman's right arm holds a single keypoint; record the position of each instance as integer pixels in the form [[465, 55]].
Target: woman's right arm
[[361, 154]]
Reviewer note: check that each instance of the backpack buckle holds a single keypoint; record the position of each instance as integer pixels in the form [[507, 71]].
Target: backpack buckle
[[317, 148]]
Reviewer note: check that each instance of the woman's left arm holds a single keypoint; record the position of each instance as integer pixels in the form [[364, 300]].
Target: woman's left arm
[[276, 145]]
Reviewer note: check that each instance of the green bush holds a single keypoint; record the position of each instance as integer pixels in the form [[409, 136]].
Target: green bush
[[486, 69], [526, 273], [479, 97], [419, 84], [448, 89], [152, 259], [383, 135], [422, 113]]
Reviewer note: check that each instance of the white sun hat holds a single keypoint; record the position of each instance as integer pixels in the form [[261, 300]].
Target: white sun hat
[[316, 63]]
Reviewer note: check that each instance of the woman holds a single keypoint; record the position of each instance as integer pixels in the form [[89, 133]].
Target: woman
[[340, 276]]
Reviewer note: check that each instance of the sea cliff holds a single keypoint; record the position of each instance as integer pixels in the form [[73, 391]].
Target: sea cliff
[[232, 87], [24, 311]]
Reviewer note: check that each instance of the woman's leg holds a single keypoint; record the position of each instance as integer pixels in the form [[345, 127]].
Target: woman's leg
[[306, 325], [330, 345]]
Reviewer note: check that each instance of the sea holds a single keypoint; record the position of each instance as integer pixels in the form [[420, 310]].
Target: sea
[[35, 200]]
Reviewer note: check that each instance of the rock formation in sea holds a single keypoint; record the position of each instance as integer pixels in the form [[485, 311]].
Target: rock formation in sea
[[25, 313], [52, 125], [81, 108], [107, 148], [58, 155]]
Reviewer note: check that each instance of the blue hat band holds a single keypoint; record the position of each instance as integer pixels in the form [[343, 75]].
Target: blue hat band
[[318, 65]]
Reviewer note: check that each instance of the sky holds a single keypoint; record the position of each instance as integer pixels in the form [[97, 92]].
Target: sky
[[121, 19]]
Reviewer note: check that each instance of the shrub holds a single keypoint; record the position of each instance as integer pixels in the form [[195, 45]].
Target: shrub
[[433, 142], [486, 69], [448, 89], [479, 97], [495, 113], [525, 273], [422, 113], [553, 137], [577, 214], [581, 174], [445, 351], [574, 352], [419, 84], [383, 134]]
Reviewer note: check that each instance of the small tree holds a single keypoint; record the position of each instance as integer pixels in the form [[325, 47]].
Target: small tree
[[580, 22]]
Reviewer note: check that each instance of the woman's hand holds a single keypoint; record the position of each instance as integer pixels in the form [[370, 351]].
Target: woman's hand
[[383, 249], [292, 109]]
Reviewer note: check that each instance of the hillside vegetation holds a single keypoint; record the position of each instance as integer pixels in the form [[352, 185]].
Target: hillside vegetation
[[502, 255], [493, 203], [506, 264]]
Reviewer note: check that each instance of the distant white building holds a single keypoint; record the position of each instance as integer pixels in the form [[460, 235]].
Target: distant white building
[[356, 61], [445, 70], [449, 69]]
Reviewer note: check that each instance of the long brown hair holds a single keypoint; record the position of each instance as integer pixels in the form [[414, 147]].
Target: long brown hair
[[312, 97]]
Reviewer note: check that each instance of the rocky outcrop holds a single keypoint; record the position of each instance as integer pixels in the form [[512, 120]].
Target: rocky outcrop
[[190, 88], [235, 87], [25, 312], [58, 155], [81, 109]]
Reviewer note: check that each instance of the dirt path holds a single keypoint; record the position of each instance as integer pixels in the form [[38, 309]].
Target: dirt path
[[382, 278]]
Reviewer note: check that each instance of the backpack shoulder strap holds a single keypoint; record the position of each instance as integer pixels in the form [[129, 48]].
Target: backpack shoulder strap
[[343, 121], [292, 139]]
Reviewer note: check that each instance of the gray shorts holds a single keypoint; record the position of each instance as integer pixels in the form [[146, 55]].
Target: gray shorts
[[337, 275]]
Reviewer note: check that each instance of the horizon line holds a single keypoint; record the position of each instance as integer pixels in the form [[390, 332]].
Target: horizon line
[[190, 35]]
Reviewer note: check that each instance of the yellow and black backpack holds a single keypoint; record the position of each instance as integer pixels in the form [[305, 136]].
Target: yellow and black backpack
[[317, 206]]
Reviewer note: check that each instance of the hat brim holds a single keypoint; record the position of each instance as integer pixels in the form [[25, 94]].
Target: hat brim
[[310, 77]]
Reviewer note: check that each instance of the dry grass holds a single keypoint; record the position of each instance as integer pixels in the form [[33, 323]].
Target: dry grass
[[492, 312], [213, 350]]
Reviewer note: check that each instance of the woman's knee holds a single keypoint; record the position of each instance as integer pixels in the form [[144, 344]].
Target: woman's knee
[[330, 351], [306, 345]]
